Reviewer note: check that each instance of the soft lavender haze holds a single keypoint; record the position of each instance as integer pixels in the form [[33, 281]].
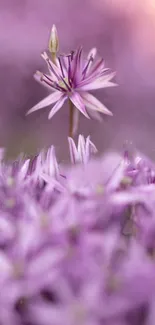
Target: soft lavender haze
[[123, 32]]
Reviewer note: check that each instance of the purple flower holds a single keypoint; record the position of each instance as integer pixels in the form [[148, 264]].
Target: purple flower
[[71, 77]]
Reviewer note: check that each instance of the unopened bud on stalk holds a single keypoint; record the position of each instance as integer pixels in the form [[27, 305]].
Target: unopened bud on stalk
[[53, 42]]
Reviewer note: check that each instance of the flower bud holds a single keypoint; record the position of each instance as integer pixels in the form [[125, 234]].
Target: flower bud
[[54, 42]]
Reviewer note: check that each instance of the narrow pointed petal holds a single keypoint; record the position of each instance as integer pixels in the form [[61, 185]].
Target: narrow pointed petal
[[107, 77], [90, 147], [38, 76], [72, 150], [57, 106], [76, 65], [81, 148], [52, 98], [52, 162], [51, 66], [102, 82], [97, 85], [64, 60], [81, 141], [92, 53], [24, 169], [110, 84], [97, 68], [93, 103], [78, 103], [95, 115]]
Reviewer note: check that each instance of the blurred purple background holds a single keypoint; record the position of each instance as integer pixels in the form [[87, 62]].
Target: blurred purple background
[[123, 31]]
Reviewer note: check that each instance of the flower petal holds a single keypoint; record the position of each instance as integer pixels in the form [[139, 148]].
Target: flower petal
[[102, 82], [72, 150], [95, 115], [52, 67], [94, 104], [52, 164], [57, 106], [45, 80], [76, 65], [52, 98], [79, 104], [92, 53], [90, 147], [97, 68], [81, 148]]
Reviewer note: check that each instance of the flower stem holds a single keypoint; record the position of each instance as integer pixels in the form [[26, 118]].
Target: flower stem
[[71, 116], [53, 55]]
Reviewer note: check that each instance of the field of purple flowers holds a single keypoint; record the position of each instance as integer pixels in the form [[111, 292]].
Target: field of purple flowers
[[77, 242], [77, 229]]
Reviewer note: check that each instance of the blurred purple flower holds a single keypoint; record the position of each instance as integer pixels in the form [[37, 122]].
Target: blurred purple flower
[[65, 253]]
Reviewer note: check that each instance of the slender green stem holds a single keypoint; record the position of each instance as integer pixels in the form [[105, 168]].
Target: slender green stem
[[71, 116]]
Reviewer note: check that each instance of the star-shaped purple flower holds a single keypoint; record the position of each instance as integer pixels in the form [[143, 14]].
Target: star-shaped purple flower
[[71, 77]]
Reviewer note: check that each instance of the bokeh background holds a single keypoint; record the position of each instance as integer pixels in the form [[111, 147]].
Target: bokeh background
[[122, 30]]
